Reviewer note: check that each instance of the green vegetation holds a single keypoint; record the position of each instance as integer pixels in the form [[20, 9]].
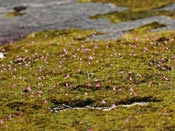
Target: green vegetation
[[47, 68], [146, 28], [136, 4], [138, 9], [14, 14], [128, 15]]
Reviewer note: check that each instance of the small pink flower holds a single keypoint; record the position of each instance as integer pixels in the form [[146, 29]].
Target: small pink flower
[[1, 121], [173, 57], [130, 78], [138, 75], [65, 50], [28, 89], [171, 39], [150, 84], [74, 56], [121, 72], [135, 94], [103, 102], [165, 78], [96, 47], [145, 49], [40, 92], [113, 105], [67, 84], [89, 85], [10, 117], [126, 120], [90, 58], [59, 66], [165, 113], [32, 94], [98, 85], [131, 89], [45, 101], [13, 86], [67, 76], [79, 70]]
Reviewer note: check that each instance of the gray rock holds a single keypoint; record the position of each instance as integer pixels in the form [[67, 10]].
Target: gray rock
[[64, 14], [170, 7]]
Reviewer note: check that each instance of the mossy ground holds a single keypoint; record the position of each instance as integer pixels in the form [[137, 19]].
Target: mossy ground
[[137, 9], [50, 67]]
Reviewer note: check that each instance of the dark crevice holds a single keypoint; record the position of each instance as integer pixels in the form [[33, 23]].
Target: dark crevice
[[19, 106], [89, 103], [138, 99], [75, 103]]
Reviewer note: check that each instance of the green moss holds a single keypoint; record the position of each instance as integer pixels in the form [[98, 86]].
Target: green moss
[[135, 4], [138, 10], [129, 15], [146, 28], [14, 14], [139, 67]]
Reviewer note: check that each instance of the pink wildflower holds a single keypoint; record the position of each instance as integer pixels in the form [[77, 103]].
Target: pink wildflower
[[126, 120], [10, 117], [131, 89], [165, 78], [150, 84], [28, 89], [130, 78], [173, 57], [113, 105], [98, 85], [91, 58], [67, 84], [1, 121], [89, 85], [40, 92], [67, 76], [103, 102], [45, 101]]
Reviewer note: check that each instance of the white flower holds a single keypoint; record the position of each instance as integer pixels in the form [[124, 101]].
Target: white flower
[[1, 55]]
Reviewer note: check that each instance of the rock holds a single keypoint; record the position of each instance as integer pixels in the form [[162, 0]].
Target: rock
[[19, 8], [65, 14]]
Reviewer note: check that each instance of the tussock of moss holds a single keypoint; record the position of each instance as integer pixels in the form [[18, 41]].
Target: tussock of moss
[[14, 14], [53, 67]]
